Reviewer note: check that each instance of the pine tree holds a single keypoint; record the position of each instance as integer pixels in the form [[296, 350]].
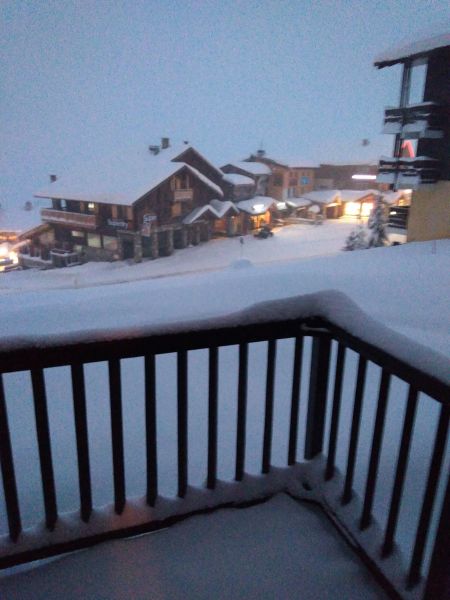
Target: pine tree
[[356, 240], [377, 226]]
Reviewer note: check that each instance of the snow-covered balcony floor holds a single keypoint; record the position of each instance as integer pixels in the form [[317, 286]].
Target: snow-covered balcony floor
[[279, 549]]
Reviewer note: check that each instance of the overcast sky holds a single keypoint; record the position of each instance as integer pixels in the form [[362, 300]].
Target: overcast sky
[[81, 80]]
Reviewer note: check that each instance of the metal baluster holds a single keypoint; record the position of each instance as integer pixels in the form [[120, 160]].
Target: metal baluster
[[377, 438], [438, 579], [400, 472], [430, 496], [150, 429], [241, 411], [8, 473], [81, 432], [317, 401], [338, 378], [354, 434], [295, 400], [45, 452], [212, 418], [182, 422], [268, 420], [115, 395]]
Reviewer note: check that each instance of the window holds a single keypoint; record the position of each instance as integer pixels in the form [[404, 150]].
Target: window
[[305, 180], [91, 207], [94, 240], [278, 180], [176, 210], [78, 234]]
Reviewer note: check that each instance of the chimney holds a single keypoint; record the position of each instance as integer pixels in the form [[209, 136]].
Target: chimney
[[153, 150], [53, 178], [260, 153], [165, 143]]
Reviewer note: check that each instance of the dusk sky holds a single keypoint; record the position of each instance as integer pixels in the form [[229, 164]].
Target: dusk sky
[[87, 79]]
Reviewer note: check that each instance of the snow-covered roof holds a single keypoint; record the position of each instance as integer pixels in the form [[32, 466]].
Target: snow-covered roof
[[254, 168], [216, 208], [237, 179], [16, 219], [392, 197], [355, 195], [293, 162], [221, 207], [322, 196], [123, 179], [257, 205], [413, 50], [298, 202]]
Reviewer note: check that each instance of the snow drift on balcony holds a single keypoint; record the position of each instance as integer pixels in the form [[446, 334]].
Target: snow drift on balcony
[[331, 305]]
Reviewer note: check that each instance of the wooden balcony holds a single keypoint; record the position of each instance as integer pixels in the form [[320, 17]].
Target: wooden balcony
[[184, 195], [71, 219], [416, 121], [321, 350]]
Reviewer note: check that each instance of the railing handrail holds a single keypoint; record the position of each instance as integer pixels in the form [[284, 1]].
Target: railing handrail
[[329, 312]]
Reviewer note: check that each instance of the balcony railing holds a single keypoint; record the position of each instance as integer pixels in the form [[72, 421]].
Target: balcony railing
[[183, 195], [50, 215], [415, 121], [408, 173], [330, 343]]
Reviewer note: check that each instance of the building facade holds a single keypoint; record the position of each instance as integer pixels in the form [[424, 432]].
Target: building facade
[[145, 208], [425, 125]]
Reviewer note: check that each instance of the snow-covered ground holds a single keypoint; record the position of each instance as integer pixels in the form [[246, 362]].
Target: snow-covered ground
[[289, 243], [405, 287]]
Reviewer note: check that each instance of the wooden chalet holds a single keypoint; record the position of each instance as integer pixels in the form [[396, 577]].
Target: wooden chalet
[[144, 206]]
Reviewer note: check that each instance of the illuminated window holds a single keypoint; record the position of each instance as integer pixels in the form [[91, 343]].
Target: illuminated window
[[91, 207]]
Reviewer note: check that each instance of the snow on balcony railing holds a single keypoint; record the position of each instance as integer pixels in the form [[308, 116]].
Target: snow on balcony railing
[[50, 215]]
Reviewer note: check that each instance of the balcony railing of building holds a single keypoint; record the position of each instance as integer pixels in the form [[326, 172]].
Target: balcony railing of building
[[63, 217], [181, 195], [408, 173], [314, 325], [414, 121]]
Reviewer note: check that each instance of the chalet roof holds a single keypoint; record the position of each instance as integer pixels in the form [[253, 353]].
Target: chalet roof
[[253, 168], [292, 162], [216, 208], [356, 195], [322, 196], [414, 50], [237, 179], [298, 202], [257, 205], [123, 179]]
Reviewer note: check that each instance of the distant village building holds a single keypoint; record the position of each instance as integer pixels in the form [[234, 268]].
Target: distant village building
[[142, 206], [289, 178], [425, 124]]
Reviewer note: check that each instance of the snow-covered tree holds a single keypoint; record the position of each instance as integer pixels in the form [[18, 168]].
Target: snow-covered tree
[[377, 226], [357, 239]]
